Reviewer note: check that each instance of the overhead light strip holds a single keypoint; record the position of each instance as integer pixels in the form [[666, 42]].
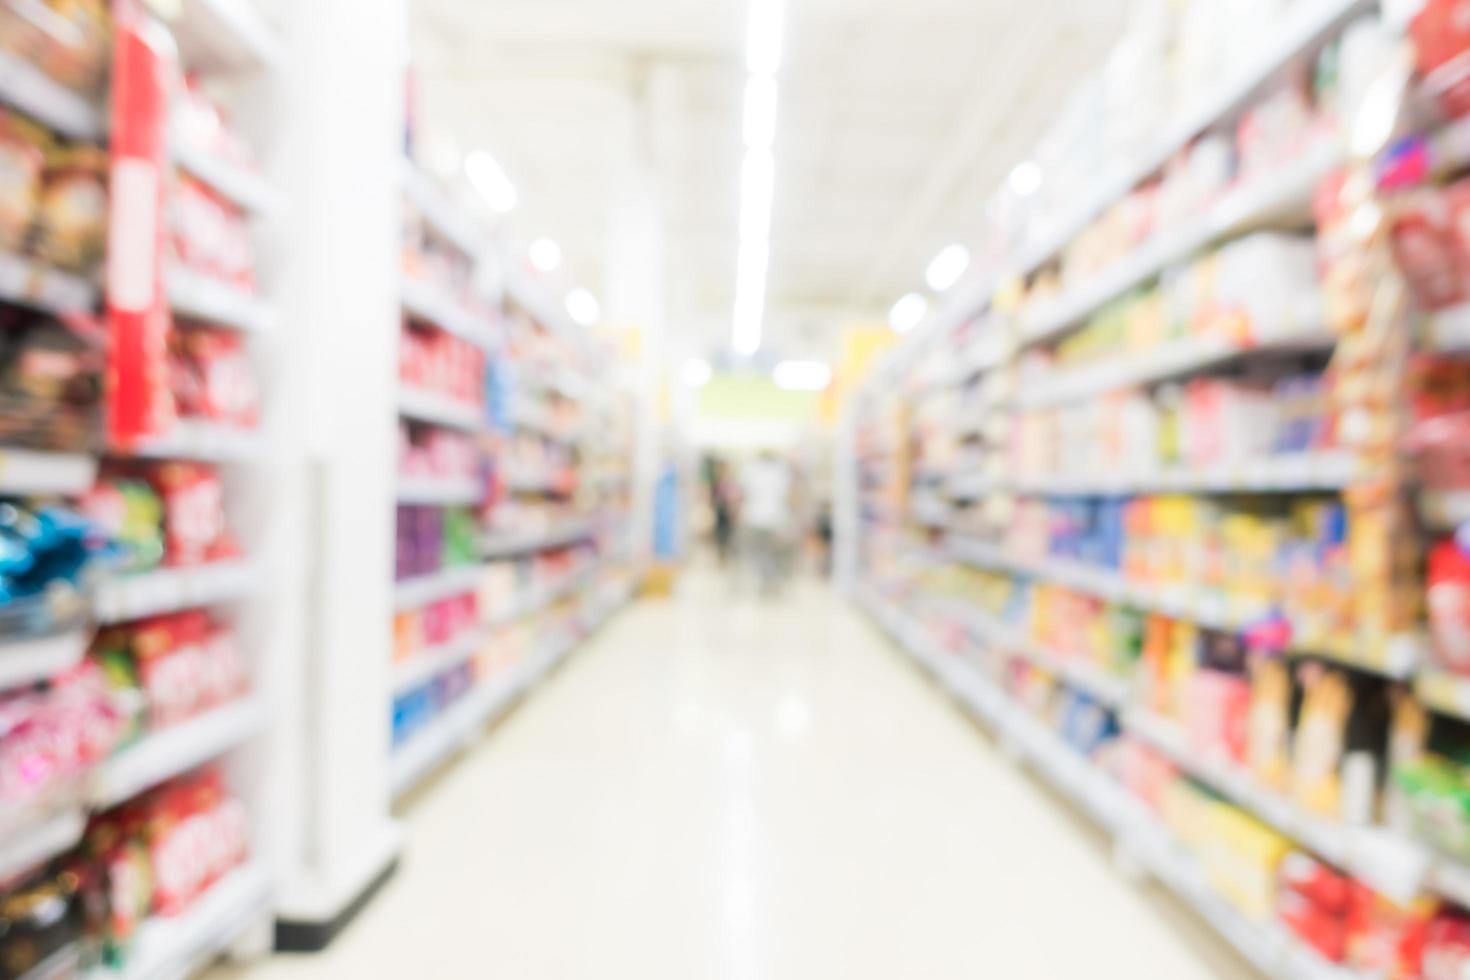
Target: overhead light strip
[[757, 173]]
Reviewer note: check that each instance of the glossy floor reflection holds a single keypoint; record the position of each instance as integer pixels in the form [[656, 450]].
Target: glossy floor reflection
[[726, 789]]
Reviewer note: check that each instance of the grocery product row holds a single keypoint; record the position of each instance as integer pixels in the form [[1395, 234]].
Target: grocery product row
[[1168, 491], [190, 452]]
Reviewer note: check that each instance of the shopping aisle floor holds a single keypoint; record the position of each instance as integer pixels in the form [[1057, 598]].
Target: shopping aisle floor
[[738, 790]]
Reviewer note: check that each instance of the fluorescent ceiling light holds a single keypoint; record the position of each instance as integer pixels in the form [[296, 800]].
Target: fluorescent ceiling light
[[802, 375], [763, 29], [760, 112], [757, 191], [545, 254], [907, 312], [583, 307], [696, 373], [1025, 180], [947, 267], [490, 182]]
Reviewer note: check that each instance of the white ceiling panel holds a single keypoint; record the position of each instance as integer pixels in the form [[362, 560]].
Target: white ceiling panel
[[896, 121]]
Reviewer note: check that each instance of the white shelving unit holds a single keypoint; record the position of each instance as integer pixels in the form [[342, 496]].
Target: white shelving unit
[[174, 589], [27, 661]]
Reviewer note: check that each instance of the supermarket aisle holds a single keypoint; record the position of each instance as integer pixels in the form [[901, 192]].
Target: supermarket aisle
[[736, 790]]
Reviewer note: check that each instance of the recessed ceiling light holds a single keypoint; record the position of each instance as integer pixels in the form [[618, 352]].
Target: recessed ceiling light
[[490, 181], [763, 29], [583, 307], [947, 267], [696, 372], [545, 255], [1025, 180], [802, 375], [908, 312]]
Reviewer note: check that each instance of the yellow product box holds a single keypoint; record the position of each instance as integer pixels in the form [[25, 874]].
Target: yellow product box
[[1242, 861]]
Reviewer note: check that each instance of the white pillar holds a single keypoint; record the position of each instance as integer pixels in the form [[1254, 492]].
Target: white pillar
[[635, 277], [338, 164]]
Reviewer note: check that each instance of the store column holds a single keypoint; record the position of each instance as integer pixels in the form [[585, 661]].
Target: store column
[[636, 281], [340, 168]]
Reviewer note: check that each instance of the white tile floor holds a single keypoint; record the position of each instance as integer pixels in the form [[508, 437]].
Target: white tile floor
[[731, 790]]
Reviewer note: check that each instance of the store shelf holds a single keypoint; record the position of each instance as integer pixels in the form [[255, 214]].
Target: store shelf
[[246, 189], [414, 593], [1267, 946], [1443, 692], [25, 662], [456, 727], [540, 598], [427, 664], [128, 597], [176, 947], [1302, 27], [225, 36], [1448, 331], [435, 491], [27, 282], [426, 303], [215, 303], [162, 755], [507, 544], [1390, 863], [1275, 197], [1173, 359], [203, 442], [26, 87], [1287, 473], [28, 472], [442, 216], [1445, 509], [35, 844], [435, 409], [541, 483], [1106, 688]]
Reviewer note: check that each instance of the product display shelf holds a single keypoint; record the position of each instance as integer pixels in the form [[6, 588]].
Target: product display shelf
[[161, 755], [1448, 331], [443, 217], [1304, 26], [37, 842], [506, 544], [541, 597], [204, 442], [423, 590], [26, 87], [29, 282], [225, 37], [1286, 473], [426, 303], [1445, 509], [1137, 832], [27, 472], [432, 491], [435, 409], [1443, 692], [168, 948], [27, 661], [1276, 198], [1398, 657], [245, 189], [1170, 360], [1391, 863], [429, 663], [127, 597], [217, 304]]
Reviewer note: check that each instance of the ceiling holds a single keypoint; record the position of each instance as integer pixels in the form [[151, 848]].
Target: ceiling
[[897, 120]]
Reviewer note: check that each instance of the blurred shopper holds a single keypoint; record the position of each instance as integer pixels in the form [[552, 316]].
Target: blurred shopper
[[724, 502], [765, 519]]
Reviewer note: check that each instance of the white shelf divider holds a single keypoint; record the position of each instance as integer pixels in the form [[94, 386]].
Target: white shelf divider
[[430, 663], [180, 946], [414, 593], [27, 472], [225, 37], [171, 752], [26, 87], [431, 491], [128, 597], [245, 189], [507, 544], [28, 661], [205, 442], [426, 303], [435, 409], [217, 304], [442, 216], [39, 842]]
